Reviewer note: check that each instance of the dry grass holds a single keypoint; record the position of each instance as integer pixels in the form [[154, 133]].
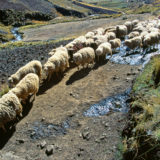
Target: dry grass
[[145, 113]]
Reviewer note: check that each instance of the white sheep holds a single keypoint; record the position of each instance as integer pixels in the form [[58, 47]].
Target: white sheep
[[110, 29], [133, 34], [10, 108], [99, 31], [121, 31], [59, 49], [89, 35], [139, 28], [63, 52], [28, 86], [102, 50], [134, 42], [31, 67], [135, 22], [115, 43], [110, 35], [99, 39], [151, 39], [129, 26], [55, 64], [84, 56]]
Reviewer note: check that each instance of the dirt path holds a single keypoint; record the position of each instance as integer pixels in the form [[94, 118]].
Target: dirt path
[[56, 31], [57, 117]]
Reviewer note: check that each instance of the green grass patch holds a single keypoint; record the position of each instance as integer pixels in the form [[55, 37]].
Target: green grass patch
[[144, 137], [5, 33], [4, 89]]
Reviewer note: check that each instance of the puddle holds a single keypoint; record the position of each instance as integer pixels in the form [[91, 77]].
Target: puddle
[[18, 36], [41, 130], [116, 103], [122, 56]]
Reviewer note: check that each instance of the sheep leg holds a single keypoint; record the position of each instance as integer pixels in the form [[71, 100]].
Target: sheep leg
[[49, 76]]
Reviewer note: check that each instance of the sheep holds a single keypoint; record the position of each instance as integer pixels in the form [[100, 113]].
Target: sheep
[[99, 31], [139, 28], [110, 29], [129, 26], [55, 64], [102, 50], [134, 42], [59, 49], [143, 34], [135, 22], [150, 39], [100, 39], [84, 56], [89, 35], [133, 34], [29, 85], [31, 67], [76, 45], [121, 31], [63, 52], [91, 43], [115, 43], [10, 108], [110, 35]]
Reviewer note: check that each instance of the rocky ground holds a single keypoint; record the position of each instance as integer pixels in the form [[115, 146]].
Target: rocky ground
[[54, 126]]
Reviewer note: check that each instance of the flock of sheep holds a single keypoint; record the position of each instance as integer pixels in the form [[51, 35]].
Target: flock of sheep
[[84, 50]]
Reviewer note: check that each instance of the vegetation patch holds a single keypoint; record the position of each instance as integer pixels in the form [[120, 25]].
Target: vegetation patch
[[12, 45], [4, 89], [5, 33], [142, 134]]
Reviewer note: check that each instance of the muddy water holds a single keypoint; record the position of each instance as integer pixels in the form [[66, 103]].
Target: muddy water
[[116, 103]]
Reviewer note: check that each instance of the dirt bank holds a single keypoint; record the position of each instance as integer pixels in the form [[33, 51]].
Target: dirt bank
[[56, 31], [56, 116]]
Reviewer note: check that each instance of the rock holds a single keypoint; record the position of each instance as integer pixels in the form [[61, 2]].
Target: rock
[[86, 134], [106, 125], [43, 144], [128, 79], [49, 149], [33, 134], [20, 140], [43, 119]]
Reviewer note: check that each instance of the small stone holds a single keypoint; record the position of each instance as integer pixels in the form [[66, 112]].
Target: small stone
[[86, 135], [97, 141], [33, 134], [106, 124], [20, 140], [43, 144], [43, 119], [49, 150], [128, 79], [117, 103]]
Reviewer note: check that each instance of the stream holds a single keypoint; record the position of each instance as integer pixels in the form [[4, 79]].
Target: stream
[[119, 102], [18, 36]]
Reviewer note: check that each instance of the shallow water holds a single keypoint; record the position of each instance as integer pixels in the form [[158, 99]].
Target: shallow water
[[18, 36], [41, 130], [116, 103], [139, 57]]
